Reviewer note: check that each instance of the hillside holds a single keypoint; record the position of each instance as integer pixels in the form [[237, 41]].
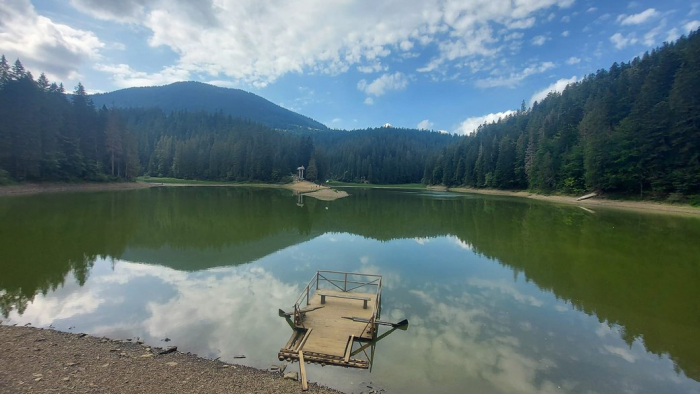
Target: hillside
[[197, 96], [633, 129]]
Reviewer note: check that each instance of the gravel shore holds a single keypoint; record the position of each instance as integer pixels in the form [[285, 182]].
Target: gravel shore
[[34, 360]]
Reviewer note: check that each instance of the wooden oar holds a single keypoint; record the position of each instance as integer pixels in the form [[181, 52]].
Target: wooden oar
[[402, 323]]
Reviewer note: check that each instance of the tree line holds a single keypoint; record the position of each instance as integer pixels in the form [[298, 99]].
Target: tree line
[[46, 135], [632, 129]]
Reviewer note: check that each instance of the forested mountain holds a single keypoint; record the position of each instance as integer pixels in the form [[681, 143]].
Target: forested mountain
[[197, 96], [632, 129], [46, 135]]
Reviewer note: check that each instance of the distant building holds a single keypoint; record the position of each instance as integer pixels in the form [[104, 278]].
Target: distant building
[[300, 173]]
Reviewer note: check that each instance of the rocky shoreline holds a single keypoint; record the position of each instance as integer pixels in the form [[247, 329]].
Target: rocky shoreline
[[43, 360]]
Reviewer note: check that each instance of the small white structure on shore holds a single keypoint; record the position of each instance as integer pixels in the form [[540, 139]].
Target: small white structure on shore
[[300, 173]]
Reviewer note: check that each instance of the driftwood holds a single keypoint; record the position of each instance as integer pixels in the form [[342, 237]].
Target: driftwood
[[587, 196]]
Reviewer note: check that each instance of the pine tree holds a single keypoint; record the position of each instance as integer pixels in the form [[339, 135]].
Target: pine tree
[[18, 72], [4, 71]]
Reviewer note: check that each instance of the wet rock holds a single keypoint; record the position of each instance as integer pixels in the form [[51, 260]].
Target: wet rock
[[239, 356], [165, 339], [82, 335], [292, 375], [169, 349]]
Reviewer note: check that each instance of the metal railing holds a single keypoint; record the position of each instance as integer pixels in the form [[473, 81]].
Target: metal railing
[[343, 281]]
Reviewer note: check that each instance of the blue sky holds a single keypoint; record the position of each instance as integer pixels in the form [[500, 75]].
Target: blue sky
[[435, 64]]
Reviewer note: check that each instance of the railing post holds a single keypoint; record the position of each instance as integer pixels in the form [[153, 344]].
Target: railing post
[[307, 294], [345, 286], [316, 280]]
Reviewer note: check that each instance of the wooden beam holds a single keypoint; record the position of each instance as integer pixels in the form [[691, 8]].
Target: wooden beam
[[302, 372], [348, 349], [303, 340]]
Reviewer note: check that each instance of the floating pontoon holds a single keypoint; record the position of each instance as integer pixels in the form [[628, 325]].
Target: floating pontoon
[[335, 320]]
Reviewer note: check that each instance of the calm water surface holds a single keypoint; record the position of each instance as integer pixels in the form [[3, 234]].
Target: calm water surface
[[503, 295]]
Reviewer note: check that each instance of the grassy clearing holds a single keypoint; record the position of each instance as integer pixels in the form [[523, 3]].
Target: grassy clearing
[[152, 179]]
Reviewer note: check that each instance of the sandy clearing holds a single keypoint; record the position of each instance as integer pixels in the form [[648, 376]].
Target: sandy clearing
[[639, 206]]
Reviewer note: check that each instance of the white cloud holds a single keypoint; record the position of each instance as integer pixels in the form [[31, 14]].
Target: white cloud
[[672, 35], [383, 84], [470, 125], [539, 40], [372, 68], [514, 79], [637, 19], [592, 9], [621, 41], [425, 125], [690, 26], [622, 352], [336, 120], [516, 35], [42, 44], [566, 19], [406, 45], [126, 77], [573, 60], [369, 101], [557, 87], [521, 24], [650, 36], [257, 42], [565, 33]]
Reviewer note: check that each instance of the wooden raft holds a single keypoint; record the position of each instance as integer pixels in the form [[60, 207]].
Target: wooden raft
[[321, 330]]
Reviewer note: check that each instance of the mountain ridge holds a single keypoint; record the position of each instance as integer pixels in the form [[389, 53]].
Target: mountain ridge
[[198, 96]]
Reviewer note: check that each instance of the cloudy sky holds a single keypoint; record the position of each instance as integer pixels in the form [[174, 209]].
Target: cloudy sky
[[435, 64]]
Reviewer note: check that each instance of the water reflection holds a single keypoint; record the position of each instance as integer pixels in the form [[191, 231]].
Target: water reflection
[[494, 288]]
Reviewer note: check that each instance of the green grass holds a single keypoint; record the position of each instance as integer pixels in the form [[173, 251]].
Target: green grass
[[377, 186], [153, 179]]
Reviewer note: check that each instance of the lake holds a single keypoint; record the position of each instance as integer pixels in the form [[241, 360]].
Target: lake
[[503, 295]]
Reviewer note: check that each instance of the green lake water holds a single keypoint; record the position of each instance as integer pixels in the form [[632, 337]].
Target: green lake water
[[503, 295]]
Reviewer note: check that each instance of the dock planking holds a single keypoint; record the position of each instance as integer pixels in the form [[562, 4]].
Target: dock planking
[[322, 330]]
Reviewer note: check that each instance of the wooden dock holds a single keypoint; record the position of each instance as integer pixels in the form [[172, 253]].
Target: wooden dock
[[333, 317]]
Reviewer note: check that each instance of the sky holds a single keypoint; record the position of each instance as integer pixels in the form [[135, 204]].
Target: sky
[[428, 64]]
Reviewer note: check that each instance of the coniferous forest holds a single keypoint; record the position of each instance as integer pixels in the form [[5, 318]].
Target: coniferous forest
[[633, 129]]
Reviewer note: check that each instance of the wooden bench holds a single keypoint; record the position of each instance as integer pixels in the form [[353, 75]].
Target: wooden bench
[[349, 296]]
